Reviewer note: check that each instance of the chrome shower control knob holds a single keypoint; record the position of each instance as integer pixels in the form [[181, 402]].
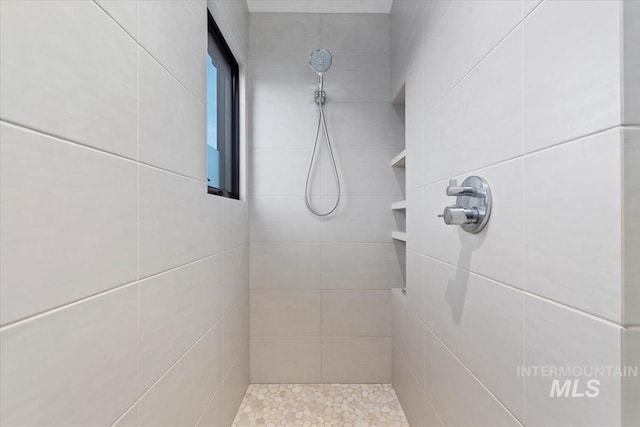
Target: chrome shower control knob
[[454, 215]]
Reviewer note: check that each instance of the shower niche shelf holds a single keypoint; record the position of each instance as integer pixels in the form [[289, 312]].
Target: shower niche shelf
[[399, 160], [399, 235], [399, 206]]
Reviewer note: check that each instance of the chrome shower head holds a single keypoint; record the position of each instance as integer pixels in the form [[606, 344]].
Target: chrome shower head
[[320, 61]]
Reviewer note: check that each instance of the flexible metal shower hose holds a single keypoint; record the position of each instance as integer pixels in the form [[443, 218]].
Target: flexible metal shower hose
[[322, 123]]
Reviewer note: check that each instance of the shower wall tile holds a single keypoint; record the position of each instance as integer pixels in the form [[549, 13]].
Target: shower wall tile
[[283, 219], [50, 206], [281, 172], [498, 252], [71, 91], [129, 418], [173, 124], [175, 309], [360, 78], [631, 249], [100, 221], [178, 221], [361, 266], [468, 313], [170, 31], [529, 6], [285, 266], [360, 219], [282, 78], [277, 33], [486, 108], [415, 283], [374, 125], [39, 358], [560, 337], [559, 238], [124, 12], [355, 33], [236, 220], [450, 386], [588, 57], [408, 336], [416, 406], [277, 124], [631, 384], [182, 394], [631, 62], [442, 70], [236, 275], [356, 313], [415, 143], [356, 360], [286, 360], [363, 173], [285, 312], [236, 333]]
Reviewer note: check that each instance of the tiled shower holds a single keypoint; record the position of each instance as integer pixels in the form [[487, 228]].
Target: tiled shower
[[131, 297]]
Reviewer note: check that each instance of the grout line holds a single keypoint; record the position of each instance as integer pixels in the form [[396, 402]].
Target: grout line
[[519, 156], [40, 314], [608, 322], [476, 378], [134, 39]]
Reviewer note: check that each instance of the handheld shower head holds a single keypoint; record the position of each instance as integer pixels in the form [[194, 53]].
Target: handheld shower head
[[320, 61]]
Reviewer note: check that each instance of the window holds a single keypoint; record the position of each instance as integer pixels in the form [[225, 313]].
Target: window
[[223, 136]]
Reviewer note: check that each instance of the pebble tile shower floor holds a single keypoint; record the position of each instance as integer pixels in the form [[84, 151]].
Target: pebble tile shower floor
[[320, 405]]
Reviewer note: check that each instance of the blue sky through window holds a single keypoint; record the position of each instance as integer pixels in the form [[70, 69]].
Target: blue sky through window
[[213, 155]]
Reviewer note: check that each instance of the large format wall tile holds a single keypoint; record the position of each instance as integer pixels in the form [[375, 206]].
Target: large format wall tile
[[572, 71], [631, 213], [631, 62], [573, 232], [286, 359], [356, 360], [176, 308], [559, 337], [361, 266], [360, 219], [173, 124], [631, 384], [458, 396], [356, 313], [283, 219], [482, 323], [236, 275], [283, 78], [373, 125], [277, 33], [182, 394], [479, 122], [281, 172], [60, 198], [442, 69], [416, 406], [179, 221], [277, 124], [285, 313], [285, 266], [124, 12], [236, 333], [46, 363], [83, 87], [355, 33], [170, 32]]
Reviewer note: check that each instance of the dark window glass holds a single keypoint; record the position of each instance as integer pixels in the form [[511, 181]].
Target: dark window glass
[[223, 146]]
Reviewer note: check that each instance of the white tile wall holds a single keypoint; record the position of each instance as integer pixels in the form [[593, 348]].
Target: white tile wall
[[530, 95], [45, 363], [554, 180], [83, 88], [84, 340], [54, 202], [572, 85], [631, 198], [551, 341], [631, 384], [313, 278]]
